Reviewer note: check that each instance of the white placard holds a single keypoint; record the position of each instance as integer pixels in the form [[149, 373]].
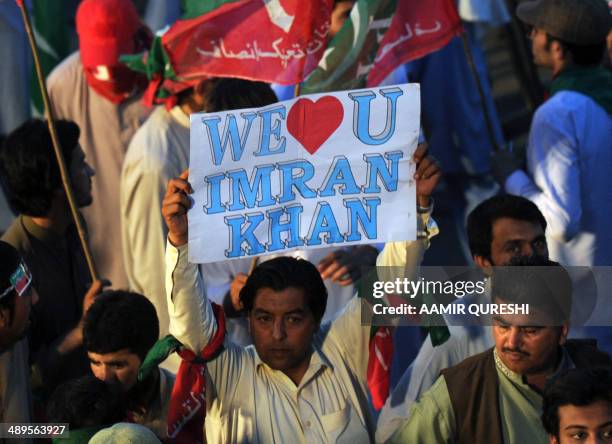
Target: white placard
[[311, 172]]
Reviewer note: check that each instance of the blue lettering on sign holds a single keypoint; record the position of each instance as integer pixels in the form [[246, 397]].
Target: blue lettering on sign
[[339, 174], [291, 226], [323, 223], [377, 167], [357, 216], [230, 133], [241, 230], [257, 191], [267, 130], [214, 204], [295, 174], [361, 115]]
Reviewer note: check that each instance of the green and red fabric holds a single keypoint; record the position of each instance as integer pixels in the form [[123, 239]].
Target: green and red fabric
[[276, 41], [379, 36], [187, 408]]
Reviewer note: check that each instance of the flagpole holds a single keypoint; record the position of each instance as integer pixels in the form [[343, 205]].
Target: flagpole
[[487, 116], [56, 145]]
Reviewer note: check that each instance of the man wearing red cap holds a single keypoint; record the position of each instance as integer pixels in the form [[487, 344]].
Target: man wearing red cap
[[102, 96]]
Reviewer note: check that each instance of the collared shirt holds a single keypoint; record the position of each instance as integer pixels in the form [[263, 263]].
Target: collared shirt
[[158, 152], [569, 160], [432, 419], [251, 402]]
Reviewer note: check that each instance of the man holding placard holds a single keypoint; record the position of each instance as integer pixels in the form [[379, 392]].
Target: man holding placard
[[301, 381]]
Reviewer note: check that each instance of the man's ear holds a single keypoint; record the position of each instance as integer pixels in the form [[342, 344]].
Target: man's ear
[[483, 263], [552, 439], [557, 52], [564, 333]]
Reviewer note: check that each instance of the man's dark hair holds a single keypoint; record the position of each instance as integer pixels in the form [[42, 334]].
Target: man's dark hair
[[582, 55], [86, 402], [579, 387], [226, 94], [28, 167], [481, 219], [284, 272], [543, 284], [121, 319]]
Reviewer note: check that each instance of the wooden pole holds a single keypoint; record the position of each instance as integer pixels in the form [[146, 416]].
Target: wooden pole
[[487, 116], [56, 145]]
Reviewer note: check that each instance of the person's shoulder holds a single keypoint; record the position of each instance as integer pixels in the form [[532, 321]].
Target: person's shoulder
[[149, 146], [16, 236], [471, 364], [67, 69]]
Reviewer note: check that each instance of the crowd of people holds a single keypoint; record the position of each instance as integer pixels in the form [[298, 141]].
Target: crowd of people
[[159, 349]]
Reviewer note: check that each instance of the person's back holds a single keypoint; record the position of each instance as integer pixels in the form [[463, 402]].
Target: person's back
[[573, 127]]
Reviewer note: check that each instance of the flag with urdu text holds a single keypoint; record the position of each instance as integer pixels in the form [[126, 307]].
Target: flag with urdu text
[[379, 36], [278, 41]]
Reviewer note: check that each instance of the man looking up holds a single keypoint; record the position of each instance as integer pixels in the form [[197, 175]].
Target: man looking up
[[301, 381], [45, 235], [578, 407]]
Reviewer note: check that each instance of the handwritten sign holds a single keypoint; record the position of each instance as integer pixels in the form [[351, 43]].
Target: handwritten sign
[[319, 170]]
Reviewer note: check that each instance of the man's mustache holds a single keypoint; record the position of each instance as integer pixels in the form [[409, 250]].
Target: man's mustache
[[515, 350]]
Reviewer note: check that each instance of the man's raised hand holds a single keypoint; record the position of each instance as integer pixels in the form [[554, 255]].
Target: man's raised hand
[[427, 174], [174, 208]]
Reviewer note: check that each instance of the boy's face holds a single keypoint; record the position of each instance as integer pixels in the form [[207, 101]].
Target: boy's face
[[120, 367], [590, 424]]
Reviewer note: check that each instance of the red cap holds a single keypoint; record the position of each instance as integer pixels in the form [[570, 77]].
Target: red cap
[[106, 30]]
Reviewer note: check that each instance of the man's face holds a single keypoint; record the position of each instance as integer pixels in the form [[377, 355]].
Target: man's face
[[341, 11], [80, 175], [540, 48], [523, 345], [591, 424], [513, 238], [282, 327], [14, 323], [120, 367]]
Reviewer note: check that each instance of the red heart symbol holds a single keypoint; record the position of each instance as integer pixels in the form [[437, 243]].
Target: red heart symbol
[[312, 123]]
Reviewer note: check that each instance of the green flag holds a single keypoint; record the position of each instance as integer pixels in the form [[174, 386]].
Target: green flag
[[51, 32], [350, 54]]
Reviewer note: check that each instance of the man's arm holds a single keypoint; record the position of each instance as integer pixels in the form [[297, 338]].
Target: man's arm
[[432, 419], [555, 183], [192, 320]]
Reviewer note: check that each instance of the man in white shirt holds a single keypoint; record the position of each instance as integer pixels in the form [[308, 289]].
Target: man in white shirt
[[301, 381], [569, 153]]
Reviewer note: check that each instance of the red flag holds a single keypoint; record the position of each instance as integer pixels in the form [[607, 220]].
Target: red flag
[[417, 28], [278, 41], [379, 365]]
